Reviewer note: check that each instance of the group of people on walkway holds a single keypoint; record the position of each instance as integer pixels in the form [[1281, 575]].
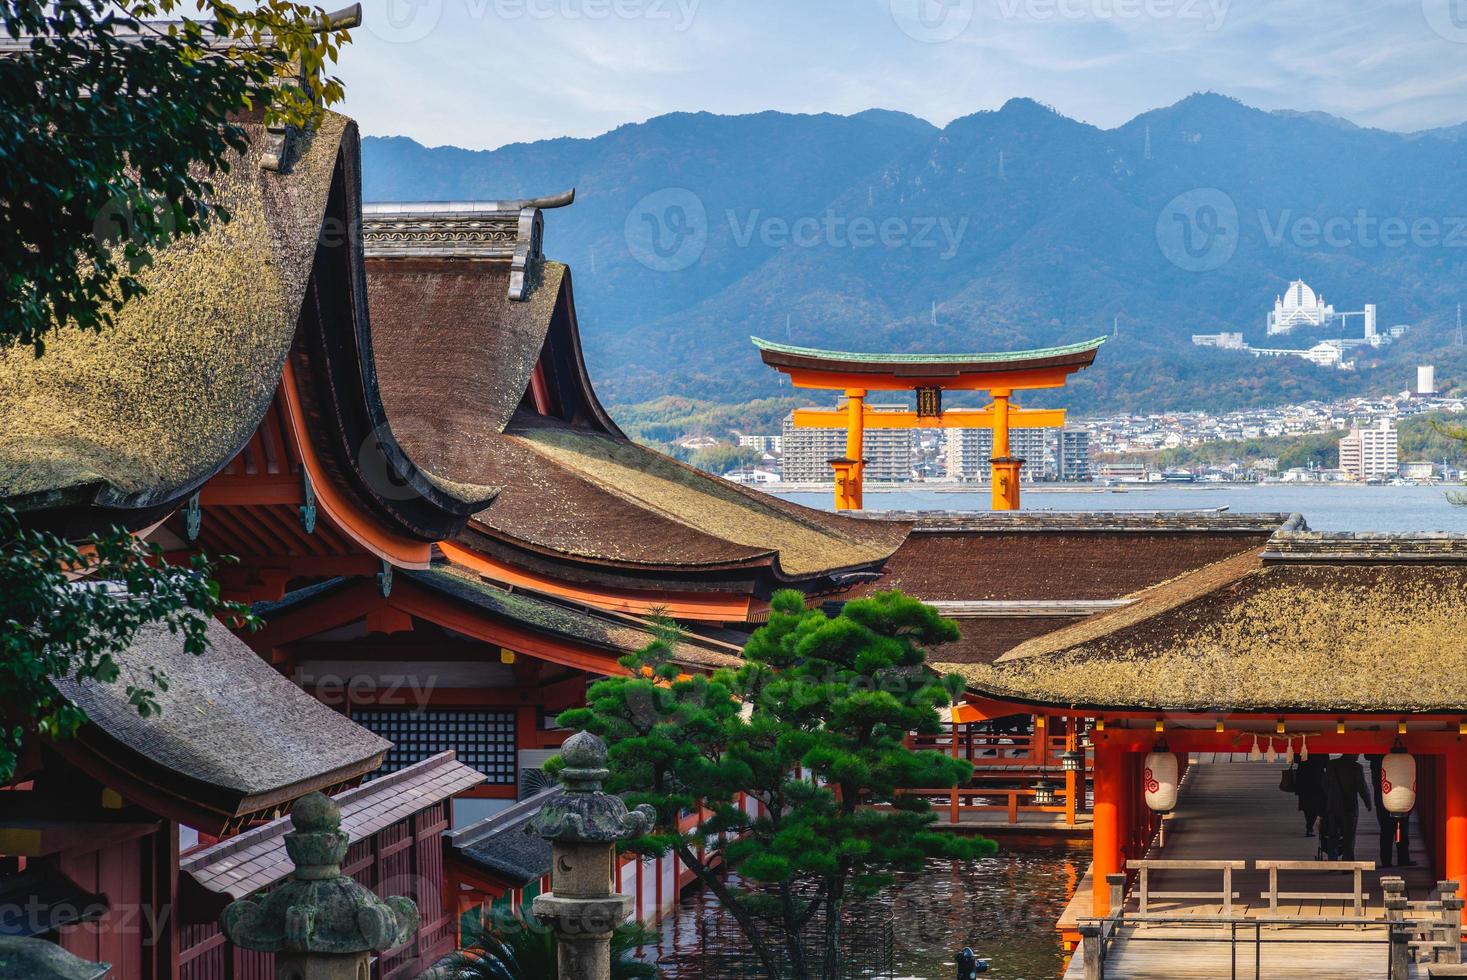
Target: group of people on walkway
[[1330, 791]]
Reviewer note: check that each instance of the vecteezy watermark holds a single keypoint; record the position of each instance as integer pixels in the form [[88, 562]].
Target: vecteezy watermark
[[1209, 13], [406, 21], [932, 21], [1362, 230], [383, 690], [667, 230], [834, 230], [1448, 18], [1198, 229]]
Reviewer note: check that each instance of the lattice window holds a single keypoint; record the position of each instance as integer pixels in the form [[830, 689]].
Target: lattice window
[[484, 740]]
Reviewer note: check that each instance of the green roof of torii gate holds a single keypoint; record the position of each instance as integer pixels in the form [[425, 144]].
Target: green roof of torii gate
[[982, 358], [812, 358]]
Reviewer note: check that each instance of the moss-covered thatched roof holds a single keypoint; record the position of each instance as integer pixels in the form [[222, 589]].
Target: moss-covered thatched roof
[[1372, 628], [152, 407]]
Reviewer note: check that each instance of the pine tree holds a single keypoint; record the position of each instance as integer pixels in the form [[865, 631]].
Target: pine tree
[[813, 728]]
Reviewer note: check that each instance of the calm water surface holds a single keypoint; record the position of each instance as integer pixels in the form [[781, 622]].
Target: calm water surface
[[1004, 907], [1326, 508]]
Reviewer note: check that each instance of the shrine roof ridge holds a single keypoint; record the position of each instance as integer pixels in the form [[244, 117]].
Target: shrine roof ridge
[[999, 357]]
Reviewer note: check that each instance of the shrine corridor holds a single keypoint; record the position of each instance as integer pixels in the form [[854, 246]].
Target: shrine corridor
[[1231, 809]]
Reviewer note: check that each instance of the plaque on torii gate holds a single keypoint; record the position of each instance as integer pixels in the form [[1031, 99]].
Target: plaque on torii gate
[[928, 376]]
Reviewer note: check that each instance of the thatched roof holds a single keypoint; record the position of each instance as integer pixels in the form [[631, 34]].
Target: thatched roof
[[234, 737], [457, 347], [616, 634], [1373, 628], [149, 409]]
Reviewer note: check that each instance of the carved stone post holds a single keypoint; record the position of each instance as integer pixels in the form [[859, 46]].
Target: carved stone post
[[320, 924], [583, 824]]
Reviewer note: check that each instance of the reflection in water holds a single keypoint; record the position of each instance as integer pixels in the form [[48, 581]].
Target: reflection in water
[[1004, 907]]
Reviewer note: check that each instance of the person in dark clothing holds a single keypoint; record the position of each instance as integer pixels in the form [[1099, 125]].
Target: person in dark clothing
[[1309, 787], [1395, 829], [1344, 784]]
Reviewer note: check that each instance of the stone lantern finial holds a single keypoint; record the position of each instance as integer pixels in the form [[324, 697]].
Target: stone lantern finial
[[583, 824], [320, 924]]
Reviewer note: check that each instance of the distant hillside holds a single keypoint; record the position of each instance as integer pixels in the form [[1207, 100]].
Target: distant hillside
[[1005, 229]]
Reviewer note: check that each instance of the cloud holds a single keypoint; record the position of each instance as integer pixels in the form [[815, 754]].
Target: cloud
[[482, 73]]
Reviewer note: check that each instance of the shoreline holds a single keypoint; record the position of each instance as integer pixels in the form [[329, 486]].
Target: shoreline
[[1086, 488]]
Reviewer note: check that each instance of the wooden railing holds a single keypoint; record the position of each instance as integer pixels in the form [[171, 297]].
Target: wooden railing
[[1356, 896], [997, 750], [970, 799], [1435, 925], [1224, 897]]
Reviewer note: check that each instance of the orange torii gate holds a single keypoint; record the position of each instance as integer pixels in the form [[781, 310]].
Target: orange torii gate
[[927, 375]]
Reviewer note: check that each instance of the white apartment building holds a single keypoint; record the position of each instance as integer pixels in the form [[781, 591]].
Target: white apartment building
[[763, 443], [1371, 452], [808, 452], [1048, 454]]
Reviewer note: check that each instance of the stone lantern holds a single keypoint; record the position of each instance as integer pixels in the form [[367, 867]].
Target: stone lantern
[[23, 958], [320, 924], [583, 824]]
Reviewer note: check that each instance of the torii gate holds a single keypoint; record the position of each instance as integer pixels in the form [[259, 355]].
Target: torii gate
[[927, 375]]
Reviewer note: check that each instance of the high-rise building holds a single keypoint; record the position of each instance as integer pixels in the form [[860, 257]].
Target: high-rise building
[[969, 450], [1426, 379], [1072, 455], [808, 452], [1371, 452]]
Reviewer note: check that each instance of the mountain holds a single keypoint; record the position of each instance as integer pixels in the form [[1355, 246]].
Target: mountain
[[1005, 229]]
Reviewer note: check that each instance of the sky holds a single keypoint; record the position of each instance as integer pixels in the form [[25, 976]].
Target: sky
[[483, 73]]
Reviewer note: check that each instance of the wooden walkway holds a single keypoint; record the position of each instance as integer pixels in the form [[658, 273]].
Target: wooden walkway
[[1232, 809]]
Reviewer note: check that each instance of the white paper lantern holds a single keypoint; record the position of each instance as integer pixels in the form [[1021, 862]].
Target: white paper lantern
[[1160, 780], [1398, 782]]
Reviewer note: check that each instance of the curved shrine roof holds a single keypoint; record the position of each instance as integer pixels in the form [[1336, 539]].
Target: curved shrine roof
[[1316, 623], [152, 407], [786, 356]]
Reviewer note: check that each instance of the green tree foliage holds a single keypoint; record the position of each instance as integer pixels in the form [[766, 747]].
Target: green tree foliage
[[671, 418], [111, 128], [722, 458], [54, 623], [830, 703]]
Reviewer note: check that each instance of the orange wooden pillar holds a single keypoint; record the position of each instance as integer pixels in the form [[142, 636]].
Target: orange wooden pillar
[[850, 472], [1454, 813], [1107, 837], [1003, 468]]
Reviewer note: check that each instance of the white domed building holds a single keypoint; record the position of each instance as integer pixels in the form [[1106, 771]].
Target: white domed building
[[1298, 306]]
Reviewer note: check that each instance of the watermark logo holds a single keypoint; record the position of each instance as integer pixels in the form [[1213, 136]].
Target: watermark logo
[[1209, 13], [667, 230], [932, 21], [404, 21], [1198, 230], [1362, 230], [1448, 18]]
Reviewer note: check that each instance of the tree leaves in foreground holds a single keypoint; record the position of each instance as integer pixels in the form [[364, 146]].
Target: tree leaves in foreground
[[54, 624], [111, 130], [832, 699]]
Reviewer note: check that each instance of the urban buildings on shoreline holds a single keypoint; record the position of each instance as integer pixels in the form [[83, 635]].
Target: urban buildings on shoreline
[[1070, 455]]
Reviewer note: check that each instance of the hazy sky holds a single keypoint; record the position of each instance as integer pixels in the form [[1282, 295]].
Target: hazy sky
[[482, 73]]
